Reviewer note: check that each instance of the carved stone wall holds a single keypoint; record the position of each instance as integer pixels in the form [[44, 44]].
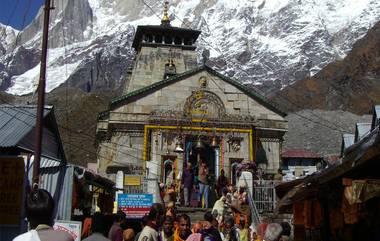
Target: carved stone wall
[[150, 65]]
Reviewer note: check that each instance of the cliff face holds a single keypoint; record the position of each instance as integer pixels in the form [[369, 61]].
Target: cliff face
[[352, 84], [267, 44]]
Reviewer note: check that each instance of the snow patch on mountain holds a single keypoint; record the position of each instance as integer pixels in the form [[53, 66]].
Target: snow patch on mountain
[[57, 72], [267, 43], [8, 37]]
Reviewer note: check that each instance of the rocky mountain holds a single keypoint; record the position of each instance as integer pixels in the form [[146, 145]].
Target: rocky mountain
[[269, 44], [351, 84], [320, 131]]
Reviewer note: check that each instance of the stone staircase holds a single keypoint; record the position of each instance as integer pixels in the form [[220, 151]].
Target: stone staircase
[[195, 214]]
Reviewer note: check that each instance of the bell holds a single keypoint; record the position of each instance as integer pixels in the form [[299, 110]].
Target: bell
[[214, 142], [199, 144], [178, 148]]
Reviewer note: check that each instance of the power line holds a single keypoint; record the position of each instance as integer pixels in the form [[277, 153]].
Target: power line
[[79, 147], [307, 118], [83, 134], [67, 106], [304, 117]]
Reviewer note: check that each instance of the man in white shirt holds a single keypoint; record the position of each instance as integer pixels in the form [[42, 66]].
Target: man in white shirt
[[155, 220]]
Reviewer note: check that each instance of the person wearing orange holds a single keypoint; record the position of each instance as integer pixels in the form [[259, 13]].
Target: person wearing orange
[[183, 230]]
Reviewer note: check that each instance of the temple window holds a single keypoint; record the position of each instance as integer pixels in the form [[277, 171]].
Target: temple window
[[177, 41], [158, 39], [149, 38], [168, 40], [188, 41], [170, 69]]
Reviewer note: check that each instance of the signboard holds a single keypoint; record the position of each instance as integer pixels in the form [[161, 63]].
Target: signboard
[[72, 227], [12, 170], [132, 180], [135, 205]]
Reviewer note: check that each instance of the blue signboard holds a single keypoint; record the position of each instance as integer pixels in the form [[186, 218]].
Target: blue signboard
[[135, 205]]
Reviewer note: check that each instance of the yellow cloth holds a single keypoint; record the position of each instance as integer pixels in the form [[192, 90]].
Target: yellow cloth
[[176, 235], [244, 234]]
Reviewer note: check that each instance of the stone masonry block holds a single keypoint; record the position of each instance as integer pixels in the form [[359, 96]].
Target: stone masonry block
[[232, 97]]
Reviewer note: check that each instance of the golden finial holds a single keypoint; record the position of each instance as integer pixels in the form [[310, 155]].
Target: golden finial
[[165, 21]]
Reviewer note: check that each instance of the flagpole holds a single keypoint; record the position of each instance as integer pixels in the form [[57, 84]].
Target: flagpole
[[41, 97]]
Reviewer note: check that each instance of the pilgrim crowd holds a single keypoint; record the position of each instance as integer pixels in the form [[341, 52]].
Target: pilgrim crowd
[[228, 220]]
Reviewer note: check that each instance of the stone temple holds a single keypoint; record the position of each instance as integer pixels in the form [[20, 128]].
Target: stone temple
[[174, 110]]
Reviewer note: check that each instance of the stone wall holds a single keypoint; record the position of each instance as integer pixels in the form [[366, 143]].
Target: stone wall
[[173, 97], [122, 149], [150, 65]]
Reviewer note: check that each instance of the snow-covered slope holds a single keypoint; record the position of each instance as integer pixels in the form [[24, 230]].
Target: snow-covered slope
[[269, 43], [8, 37]]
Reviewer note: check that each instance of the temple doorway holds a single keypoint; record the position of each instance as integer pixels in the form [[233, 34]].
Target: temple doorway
[[234, 162], [204, 152], [167, 170]]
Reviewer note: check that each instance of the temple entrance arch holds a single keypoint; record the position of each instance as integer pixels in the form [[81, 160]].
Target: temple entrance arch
[[194, 155], [167, 169], [234, 162], [203, 105]]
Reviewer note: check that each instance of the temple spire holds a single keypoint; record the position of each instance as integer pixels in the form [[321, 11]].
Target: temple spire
[[165, 21]]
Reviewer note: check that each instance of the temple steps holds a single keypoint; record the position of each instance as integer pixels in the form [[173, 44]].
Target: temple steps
[[195, 214]]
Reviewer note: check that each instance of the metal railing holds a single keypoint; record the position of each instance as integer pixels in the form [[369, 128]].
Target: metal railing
[[254, 211], [265, 195]]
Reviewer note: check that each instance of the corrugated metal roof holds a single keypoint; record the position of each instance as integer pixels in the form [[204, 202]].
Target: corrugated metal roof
[[16, 122], [377, 111], [362, 129], [299, 154], [348, 140], [375, 116], [57, 179]]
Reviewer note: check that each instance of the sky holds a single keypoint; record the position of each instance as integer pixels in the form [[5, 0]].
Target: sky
[[13, 12]]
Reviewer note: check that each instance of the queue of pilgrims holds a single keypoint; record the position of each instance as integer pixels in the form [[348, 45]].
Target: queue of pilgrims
[[223, 223], [228, 220]]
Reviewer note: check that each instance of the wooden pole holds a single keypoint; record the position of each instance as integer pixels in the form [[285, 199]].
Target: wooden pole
[[41, 97]]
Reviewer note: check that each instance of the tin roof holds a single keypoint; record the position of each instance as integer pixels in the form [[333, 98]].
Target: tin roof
[[298, 153], [348, 140], [376, 116], [16, 122], [361, 130]]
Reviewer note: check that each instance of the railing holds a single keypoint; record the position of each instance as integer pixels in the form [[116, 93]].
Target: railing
[[254, 212], [265, 195]]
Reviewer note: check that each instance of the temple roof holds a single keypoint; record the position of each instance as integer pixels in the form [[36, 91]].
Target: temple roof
[[134, 95], [163, 31]]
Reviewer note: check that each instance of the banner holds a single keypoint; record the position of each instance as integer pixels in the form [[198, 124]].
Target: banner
[[72, 227], [135, 205], [132, 180], [12, 171]]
